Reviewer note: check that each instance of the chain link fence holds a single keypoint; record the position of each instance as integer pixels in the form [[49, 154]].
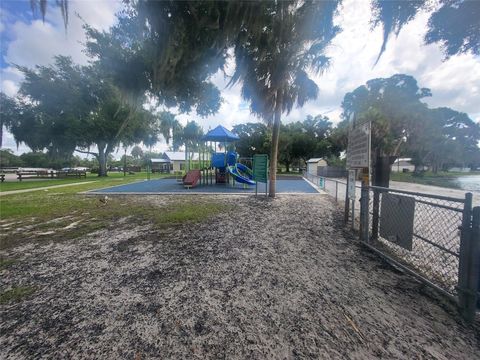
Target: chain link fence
[[334, 187], [337, 188], [434, 238], [431, 227]]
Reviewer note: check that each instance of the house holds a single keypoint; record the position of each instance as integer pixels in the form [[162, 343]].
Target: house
[[173, 161], [314, 164], [403, 165], [161, 165]]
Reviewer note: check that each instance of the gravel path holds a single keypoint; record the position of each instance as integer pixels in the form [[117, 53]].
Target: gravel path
[[275, 279]]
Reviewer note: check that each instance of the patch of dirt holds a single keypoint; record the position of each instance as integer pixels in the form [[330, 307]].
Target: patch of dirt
[[269, 279], [72, 225]]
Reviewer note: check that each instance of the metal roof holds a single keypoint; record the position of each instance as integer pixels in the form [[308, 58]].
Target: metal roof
[[159, 160], [314, 160], [178, 155]]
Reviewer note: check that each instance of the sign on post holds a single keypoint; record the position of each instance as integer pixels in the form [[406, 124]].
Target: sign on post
[[396, 224], [260, 170], [358, 157], [352, 174], [358, 149]]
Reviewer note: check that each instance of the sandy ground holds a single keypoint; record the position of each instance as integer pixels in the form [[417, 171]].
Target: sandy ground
[[275, 279]]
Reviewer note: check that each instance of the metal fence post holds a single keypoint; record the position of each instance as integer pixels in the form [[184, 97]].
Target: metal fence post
[[353, 214], [376, 213], [464, 293], [470, 291], [475, 253], [364, 201], [347, 206], [336, 191]]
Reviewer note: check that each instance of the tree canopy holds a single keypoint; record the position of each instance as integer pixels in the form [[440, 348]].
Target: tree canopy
[[403, 124], [299, 141], [66, 107]]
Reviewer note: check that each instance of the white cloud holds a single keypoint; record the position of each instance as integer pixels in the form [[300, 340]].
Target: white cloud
[[9, 87], [36, 43]]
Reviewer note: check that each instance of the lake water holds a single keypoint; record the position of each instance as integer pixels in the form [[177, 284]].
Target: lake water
[[469, 183]]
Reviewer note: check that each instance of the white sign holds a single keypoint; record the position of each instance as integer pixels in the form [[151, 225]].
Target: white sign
[[352, 184], [358, 149]]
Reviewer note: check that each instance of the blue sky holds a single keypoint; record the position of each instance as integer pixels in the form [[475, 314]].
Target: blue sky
[[12, 11], [27, 41]]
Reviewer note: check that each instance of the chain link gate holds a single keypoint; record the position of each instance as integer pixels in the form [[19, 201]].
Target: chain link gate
[[434, 238]]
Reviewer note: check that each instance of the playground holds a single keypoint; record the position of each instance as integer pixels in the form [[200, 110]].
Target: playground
[[173, 186], [218, 169]]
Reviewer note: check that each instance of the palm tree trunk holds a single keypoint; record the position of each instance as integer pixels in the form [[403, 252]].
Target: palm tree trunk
[[274, 151]]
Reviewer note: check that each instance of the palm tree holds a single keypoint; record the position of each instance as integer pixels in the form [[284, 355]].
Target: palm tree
[[273, 62]]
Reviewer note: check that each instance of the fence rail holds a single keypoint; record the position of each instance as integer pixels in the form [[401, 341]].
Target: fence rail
[[433, 224], [434, 238], [335, 187]]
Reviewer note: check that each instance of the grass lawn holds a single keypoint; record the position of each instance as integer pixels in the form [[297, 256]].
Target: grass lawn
[[31, 184], [443, 179], [64, 214], [16, 294]]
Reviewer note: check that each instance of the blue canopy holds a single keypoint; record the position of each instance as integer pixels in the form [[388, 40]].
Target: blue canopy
[[220, 134]]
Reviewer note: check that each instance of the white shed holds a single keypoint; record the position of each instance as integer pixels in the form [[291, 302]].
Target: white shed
[[313, 165]]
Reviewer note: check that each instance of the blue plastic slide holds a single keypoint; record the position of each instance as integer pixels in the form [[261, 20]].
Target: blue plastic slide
[[242, 174]]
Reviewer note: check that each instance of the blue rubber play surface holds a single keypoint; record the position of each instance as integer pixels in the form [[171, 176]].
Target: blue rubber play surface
[[172, 186]]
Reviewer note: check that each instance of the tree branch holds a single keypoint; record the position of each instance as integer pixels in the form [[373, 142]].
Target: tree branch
[[86, 152]]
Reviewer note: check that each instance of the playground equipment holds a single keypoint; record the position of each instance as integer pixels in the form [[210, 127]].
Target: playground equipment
[[241, 174], [191, 178], [218, 162], [260, 171]]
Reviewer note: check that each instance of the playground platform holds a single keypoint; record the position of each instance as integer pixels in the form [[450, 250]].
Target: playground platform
[[171, 186]]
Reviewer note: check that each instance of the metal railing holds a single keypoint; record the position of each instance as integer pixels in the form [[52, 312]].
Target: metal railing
[[334, 187], [337, 188], [434, 238]]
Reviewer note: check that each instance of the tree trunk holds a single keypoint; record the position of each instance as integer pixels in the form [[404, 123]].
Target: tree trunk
[[1, 134], [102, 160], [274, 151], [287, 167]]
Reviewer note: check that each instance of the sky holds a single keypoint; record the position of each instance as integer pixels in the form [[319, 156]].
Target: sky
[[28, 41]]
